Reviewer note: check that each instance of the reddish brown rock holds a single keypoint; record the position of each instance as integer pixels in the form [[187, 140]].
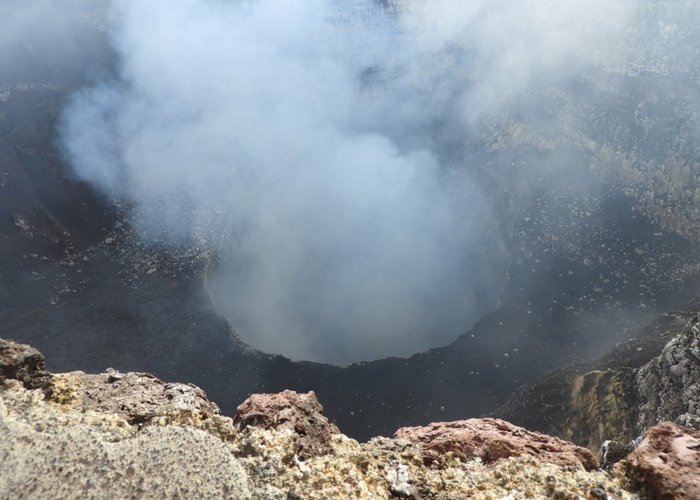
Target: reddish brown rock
[[301, 413], [666, 464], [24, 363], [491, 439]]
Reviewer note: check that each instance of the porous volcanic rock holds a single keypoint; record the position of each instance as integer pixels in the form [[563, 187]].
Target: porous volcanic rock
[[24, 363], [139, 397], [394, 468], [289, 410], [49, 451], [491, 439], [666, 464]]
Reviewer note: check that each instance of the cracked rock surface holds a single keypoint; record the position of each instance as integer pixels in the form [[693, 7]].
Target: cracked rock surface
[[138, 397]]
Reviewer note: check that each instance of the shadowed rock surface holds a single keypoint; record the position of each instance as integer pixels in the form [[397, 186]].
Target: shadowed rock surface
[[24, 363], [611, 452]]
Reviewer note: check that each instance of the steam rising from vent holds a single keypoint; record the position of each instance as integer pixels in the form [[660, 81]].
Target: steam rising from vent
[[319, 145]]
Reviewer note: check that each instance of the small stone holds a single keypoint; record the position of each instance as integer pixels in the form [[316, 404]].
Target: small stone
[[599, 493]]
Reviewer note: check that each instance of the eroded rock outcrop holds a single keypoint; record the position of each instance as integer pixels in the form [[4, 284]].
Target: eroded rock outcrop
[[601, 403], [491, 439], [289, 410], [24, 363], [138, 397], [666, 464]]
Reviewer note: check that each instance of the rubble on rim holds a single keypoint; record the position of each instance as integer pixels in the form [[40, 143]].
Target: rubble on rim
[[131, 434]]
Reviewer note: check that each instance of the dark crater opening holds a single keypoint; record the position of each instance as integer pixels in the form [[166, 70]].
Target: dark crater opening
[[591, 232]]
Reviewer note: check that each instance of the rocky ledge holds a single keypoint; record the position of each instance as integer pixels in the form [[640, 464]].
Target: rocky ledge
[[116, 435]]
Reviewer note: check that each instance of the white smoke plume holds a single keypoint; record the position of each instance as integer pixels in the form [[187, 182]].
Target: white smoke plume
[[317, 144]]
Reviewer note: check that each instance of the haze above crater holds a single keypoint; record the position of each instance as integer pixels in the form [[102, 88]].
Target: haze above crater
[[320, 147]]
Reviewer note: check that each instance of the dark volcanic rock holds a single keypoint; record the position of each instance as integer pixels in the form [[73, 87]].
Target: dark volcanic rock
[[666, 464], [492, 439], [139, 397], [611, 452], [301, 413], [24, 363]]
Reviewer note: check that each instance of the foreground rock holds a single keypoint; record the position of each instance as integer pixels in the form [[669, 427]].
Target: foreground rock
[[48, 452], [289, 410], [130, 435], [138, 397], [666, 464], [491, 439], [24, 363]]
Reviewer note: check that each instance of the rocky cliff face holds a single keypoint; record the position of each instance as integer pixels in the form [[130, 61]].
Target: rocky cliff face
[[620, 395], [668, 387]]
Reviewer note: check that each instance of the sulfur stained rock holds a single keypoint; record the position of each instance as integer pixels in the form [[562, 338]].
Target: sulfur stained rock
[[666, 464], [289, 410], [24, 363], [601, 403], [624, 392], [491, 439]]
